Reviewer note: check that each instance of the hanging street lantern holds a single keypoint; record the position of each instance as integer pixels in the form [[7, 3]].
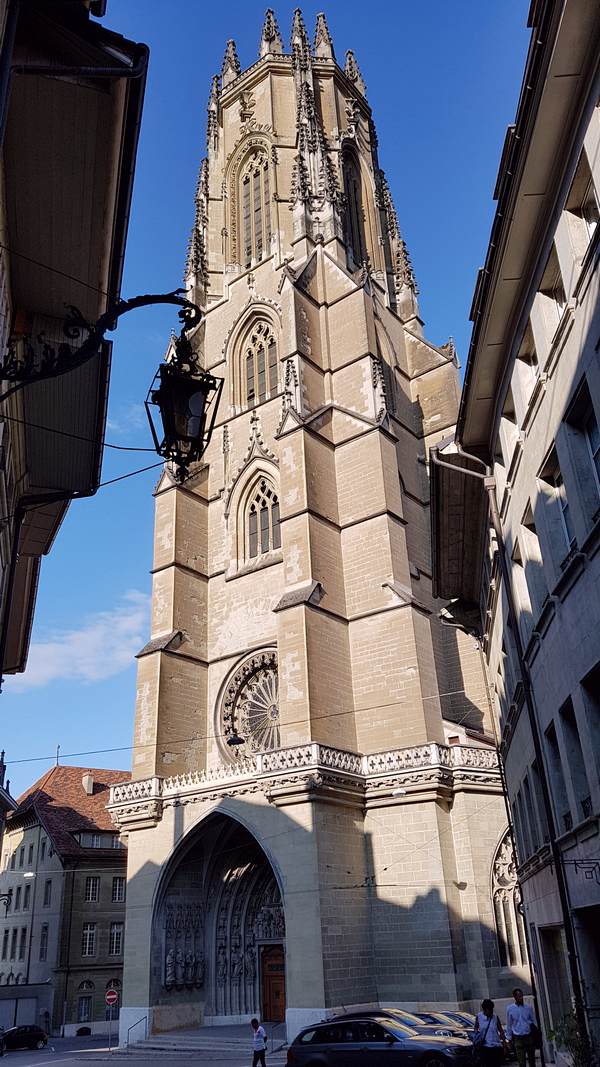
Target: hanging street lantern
[[187, 398]]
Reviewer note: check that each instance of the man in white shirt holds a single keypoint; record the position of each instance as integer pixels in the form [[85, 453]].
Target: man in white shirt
[[519, 1022], [259, 1043]]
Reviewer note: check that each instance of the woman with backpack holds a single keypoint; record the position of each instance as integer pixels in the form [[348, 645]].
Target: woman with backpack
[[490, 1042]]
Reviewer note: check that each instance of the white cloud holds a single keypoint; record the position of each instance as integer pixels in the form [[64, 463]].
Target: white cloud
[[128, 418], [104, 645]]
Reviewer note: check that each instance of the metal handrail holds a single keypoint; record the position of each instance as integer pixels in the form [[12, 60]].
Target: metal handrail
[[144, 1019]]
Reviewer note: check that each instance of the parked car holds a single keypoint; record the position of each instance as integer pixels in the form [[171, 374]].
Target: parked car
[[25, 1037], [463, 1020], [374, 1041], [414, 1022]]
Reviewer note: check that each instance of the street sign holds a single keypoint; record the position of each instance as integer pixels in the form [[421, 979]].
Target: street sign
[[111, 997]]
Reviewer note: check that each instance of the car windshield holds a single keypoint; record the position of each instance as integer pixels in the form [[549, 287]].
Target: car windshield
[[406, 1016], [398, 1030]]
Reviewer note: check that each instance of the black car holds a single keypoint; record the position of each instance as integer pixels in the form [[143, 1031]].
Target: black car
[[374, 1041], [435, 1028], [24, 1037]]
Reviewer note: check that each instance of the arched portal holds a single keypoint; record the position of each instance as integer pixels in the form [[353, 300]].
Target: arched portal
[[219, 928]]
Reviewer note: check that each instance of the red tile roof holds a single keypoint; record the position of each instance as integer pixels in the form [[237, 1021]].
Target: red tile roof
[[64, 808]]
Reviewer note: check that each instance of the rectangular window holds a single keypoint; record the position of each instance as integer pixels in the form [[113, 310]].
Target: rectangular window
[[22, 856], [84, 1009], [533, 564], [43, 850], [556, 493], [118, 890], [564, 819], [530, 813], [96, 842], [13, 943], [115, 945], [18, 898], [44, 941], [88, 939], [26, 897], [30, 856], [5, 937], [582, 206], [552, 292], [92, 889], [574, 761], [13, 860], [47, 893], [22, 942], [592, 435], [6, 860]]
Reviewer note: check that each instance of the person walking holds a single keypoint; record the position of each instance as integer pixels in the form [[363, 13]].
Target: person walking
[[492, 1045], [259, 1043], [521, 1028]]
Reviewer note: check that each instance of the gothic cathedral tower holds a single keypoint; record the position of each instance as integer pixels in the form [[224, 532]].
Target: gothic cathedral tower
[[336, 854]]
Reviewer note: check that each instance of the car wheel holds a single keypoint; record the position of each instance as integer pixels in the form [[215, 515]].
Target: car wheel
[[433, 1060]]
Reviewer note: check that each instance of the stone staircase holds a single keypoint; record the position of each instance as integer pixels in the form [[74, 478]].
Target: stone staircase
[[217, 1041]]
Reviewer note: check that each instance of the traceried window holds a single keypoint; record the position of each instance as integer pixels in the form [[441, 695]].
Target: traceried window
[[255, 208], [506, 899], [355, 223], [259, 365], [263, 522]]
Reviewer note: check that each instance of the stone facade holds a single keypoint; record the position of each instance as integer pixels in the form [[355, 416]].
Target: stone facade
[[534, 424], [292, 607]]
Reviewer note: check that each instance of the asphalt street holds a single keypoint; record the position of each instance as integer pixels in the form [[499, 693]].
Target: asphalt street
[[70, 1052]]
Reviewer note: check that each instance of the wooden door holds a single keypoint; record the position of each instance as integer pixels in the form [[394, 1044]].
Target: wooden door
[[273, 983]]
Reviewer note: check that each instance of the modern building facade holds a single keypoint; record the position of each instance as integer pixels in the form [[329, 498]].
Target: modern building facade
[[530, 417], [315, 816], [71, 95], [61, 939]]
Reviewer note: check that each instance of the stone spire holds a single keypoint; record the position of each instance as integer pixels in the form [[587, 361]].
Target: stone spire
[[271, 41], [405, 283], [352, 71], [300, 43], [212, 126], [323, 43], [196, 267], [231, 64]]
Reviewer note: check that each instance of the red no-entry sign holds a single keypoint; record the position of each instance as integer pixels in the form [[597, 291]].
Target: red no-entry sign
[[111, 997]]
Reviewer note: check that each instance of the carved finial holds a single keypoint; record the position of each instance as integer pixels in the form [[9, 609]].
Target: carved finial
[[212, 126], [231, 64], [271, 41], [323, 42], [300, 42], [352, 71]]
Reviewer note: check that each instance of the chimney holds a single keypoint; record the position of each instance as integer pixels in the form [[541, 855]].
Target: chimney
[[88, 784]]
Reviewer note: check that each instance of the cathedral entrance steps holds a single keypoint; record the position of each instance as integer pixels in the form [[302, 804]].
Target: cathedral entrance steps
[[215, 1039]]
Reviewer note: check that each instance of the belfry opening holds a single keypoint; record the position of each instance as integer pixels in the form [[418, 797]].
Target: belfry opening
[[219, 930]]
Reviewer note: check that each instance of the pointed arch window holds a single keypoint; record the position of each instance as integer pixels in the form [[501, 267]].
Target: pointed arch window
[[506, 898], [260, 371], [355, 227], [263, 521], [256, 209]]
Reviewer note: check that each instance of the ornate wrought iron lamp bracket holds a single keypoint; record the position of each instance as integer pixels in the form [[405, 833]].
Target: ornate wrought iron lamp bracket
[[25, 362]]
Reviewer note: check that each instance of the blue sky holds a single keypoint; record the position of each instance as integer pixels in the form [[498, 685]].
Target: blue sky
[[443, 81]]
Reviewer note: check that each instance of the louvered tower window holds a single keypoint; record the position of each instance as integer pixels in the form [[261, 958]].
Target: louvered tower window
[[256, 210], [260, 369], [355, 225], [264, 530]]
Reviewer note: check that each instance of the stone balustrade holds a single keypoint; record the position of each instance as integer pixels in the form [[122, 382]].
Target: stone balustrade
[[364, 769]]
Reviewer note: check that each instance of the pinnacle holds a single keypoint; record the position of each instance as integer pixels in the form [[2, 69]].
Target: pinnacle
[[323, 41], [231, 64], [299, 34], [271, 41], [352, 71]]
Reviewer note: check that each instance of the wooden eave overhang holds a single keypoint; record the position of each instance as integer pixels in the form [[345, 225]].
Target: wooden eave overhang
[[69, 154], [561, 70], [458, 525]]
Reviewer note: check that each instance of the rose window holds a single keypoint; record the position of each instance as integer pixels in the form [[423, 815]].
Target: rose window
[[251, 704]]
